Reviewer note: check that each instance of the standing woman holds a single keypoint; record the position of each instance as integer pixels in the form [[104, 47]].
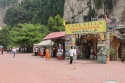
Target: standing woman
[[47, 55]]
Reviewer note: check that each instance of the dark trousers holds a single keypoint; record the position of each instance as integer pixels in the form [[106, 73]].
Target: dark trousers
[[36, 53], [54, 54], [71, 59], [2, 52], [14, 54]]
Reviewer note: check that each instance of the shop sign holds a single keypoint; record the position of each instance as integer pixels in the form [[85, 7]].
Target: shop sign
[[110, 22], [87, 27]]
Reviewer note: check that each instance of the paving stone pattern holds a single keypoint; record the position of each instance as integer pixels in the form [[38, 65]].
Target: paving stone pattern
[[25, 68]]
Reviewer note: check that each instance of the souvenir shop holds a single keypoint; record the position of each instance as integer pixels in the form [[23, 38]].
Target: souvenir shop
[[90, 38]]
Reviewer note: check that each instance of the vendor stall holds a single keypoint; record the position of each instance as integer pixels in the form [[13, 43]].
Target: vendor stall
[[40, 46], [59, 41]]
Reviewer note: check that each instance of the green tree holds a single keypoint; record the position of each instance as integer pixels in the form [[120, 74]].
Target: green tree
[[34, 11], [91, 14], [98, 3], [15, 15], [5, 38], [25, 35], [51, 24], [55, 24], [108, 5]]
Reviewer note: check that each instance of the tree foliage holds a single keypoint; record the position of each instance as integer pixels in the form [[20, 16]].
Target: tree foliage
[[26, 35], [98, 3], [55, 24], [23, 35], [34, 11], [5, 38], [16, 15], [91, 14], [108, 4]]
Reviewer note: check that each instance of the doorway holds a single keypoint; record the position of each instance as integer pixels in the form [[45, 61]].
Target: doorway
[[88, 47]]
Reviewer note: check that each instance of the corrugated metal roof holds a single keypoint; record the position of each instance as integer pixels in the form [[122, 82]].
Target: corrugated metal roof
[[54, 35]]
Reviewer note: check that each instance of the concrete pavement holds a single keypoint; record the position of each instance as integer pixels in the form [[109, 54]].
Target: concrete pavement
[[25, 68]]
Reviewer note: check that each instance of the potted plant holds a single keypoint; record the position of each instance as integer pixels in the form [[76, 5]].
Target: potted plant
[[123, 56], [112, 54]]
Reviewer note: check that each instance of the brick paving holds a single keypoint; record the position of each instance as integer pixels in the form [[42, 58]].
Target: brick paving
[[25, 68]]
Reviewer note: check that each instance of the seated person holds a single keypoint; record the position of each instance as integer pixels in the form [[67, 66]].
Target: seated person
[[60, 54], [39, 53]]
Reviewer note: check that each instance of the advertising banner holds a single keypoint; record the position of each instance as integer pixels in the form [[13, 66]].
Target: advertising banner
[[103, 47], [110, 22], [87, 27]]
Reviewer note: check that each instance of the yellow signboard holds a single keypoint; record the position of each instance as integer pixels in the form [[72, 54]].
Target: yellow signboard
[[87, 27]]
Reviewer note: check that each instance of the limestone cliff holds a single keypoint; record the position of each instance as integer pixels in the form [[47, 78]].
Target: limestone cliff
[[77, 9]]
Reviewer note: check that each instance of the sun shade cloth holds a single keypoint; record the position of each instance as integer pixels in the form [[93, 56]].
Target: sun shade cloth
[[54, 35], [44, 43]]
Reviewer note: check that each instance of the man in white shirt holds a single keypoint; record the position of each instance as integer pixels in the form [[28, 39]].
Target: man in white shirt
[[71, 52], [14, 52]]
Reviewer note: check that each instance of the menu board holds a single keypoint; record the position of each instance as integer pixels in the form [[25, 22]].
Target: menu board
[[68, 45], [103, 44], [103, 47]]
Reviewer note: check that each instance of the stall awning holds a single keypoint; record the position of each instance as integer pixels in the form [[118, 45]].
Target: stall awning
[[44, 43], [54, 35]]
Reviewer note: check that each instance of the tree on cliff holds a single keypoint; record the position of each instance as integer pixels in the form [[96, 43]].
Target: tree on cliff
[[34, 11]]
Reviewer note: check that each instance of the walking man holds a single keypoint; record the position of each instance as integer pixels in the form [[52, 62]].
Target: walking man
[[71, 52], [14, 52]]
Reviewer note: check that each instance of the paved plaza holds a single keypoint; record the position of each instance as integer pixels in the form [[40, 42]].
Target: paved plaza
[[25, 68]]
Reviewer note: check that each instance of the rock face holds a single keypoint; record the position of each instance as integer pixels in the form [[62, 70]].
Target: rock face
[[77, 9], [119, 10], [2, 13]]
